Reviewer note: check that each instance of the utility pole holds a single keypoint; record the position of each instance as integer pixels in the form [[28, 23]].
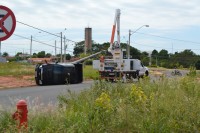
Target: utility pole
[[149, 59], [156, 61], [23, 55], [128, 46], [127, 50], [31, 46], [64, 49], [55, 47], [61, 47]]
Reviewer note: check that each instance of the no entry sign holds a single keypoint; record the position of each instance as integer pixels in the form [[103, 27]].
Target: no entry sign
[[7, 23]]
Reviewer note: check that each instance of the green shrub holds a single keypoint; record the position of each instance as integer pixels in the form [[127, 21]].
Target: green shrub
[[192, 71], [165, 105]]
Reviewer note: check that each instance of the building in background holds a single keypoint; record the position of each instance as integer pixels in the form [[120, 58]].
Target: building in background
[[2, 59], [88, 39]]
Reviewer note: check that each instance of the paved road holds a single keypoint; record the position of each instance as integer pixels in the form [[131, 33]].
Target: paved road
[[168, 73], [41, 95]]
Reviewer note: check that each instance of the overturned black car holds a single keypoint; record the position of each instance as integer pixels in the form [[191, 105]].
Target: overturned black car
[[61, 73], [58, 73]]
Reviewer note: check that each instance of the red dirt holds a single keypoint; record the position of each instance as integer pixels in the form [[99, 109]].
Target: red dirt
[[13, 82]]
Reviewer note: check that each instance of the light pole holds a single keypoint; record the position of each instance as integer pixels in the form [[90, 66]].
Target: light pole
[[61, 47], [129, 37]]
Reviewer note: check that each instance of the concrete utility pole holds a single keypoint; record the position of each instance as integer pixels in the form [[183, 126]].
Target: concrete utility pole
[[156, 61], [128, 46], [55, 47], [61, 47], [31, 46], [150, 59], [64, 49]]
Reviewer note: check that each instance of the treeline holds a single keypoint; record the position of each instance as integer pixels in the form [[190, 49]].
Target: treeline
[[162, 58], [42, 54]]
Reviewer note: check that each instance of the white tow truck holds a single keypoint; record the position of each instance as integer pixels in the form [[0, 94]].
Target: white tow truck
[[117, 67]]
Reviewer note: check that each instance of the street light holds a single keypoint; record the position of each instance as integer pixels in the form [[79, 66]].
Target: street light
[[130, 33]]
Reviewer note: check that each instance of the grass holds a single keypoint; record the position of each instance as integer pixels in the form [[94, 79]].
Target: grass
[[16, 69], [23, 69], [165, 105], [90, 73]]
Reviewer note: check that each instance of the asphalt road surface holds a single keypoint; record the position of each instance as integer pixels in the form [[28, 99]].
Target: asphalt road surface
[[38, 95]]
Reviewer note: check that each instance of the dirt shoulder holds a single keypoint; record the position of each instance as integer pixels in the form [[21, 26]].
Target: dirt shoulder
[[15, 82]]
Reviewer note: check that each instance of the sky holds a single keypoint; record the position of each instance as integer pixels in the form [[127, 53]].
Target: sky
[[174, 25]]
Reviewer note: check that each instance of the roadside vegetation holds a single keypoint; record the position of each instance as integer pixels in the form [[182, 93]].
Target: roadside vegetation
[[16, 69], [165, 105], [89, 72], [25, 69]]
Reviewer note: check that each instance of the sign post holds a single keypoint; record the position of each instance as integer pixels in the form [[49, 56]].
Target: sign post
[[7, 23], [0, 48]]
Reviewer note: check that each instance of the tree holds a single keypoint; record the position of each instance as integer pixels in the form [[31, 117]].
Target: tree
[[5, 54], [18, 53], [79, 48], [197, 65], [134, 53], [144, 58], [41, 54], [34, 55], [17, 56], [48, 55], [68, 57], [163, 54], [154, 53], [185, 58]]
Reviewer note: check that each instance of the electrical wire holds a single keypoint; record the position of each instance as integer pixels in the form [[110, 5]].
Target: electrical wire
[[39, 42], [43, 31], [180, 40]]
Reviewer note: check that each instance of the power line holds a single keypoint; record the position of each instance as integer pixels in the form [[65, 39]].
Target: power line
[[43, 31], [161, 47], [180, 40], [34, 40], [39, 42]]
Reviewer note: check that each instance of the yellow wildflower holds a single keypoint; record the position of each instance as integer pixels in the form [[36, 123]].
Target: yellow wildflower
[[138, 95], [103, 101]]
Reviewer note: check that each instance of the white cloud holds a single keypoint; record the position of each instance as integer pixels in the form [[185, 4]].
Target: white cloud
[[163, 16]]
